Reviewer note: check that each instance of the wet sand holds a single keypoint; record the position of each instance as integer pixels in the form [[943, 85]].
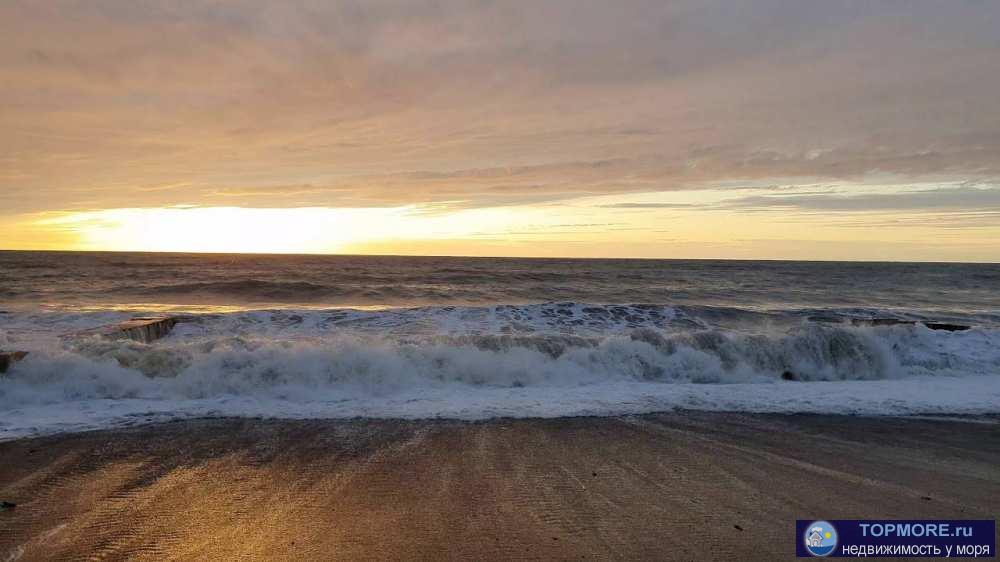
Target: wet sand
[[684, 486]]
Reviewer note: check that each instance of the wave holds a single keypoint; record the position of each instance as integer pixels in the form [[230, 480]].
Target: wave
[[116, 279], [473, 362], [243, 288], [807, 353], [256, 290]]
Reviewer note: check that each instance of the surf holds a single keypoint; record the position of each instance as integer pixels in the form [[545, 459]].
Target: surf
[[549, 359]]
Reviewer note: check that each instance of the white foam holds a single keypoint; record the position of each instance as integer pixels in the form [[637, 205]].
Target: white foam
[[482, 362], [931, 396]]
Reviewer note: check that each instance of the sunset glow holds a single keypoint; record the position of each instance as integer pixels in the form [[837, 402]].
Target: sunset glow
[[242, 230], [820, 130], [918, 220]]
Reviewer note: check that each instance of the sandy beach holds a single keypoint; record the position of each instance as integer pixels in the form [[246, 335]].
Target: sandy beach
[[683, 485]]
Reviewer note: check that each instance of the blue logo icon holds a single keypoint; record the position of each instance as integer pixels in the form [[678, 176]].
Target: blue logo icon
[[820, 538]]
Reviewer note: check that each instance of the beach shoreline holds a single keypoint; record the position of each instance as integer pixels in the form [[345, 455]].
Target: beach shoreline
[[679, 485]]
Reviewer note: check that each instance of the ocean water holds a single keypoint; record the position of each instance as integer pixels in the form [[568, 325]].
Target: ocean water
[[471, 338]]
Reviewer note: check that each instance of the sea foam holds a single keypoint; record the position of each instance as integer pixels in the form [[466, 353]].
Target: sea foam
[[543, 360]]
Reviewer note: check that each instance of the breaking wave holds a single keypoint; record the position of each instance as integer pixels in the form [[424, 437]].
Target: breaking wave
[[475, 362]]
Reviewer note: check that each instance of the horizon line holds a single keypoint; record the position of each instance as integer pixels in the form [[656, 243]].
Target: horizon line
[[453, 256]]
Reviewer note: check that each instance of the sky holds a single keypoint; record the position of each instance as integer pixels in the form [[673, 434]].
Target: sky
[[763, 129]]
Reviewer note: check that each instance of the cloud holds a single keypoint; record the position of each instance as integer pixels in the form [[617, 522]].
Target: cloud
[[124, 103], [650, 206], [943, 199]]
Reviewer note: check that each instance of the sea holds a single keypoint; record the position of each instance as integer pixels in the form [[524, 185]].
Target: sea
[[282, 336]]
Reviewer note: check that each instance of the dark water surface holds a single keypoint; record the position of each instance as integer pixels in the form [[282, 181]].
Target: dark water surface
[[109, 279], [472, 338]]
